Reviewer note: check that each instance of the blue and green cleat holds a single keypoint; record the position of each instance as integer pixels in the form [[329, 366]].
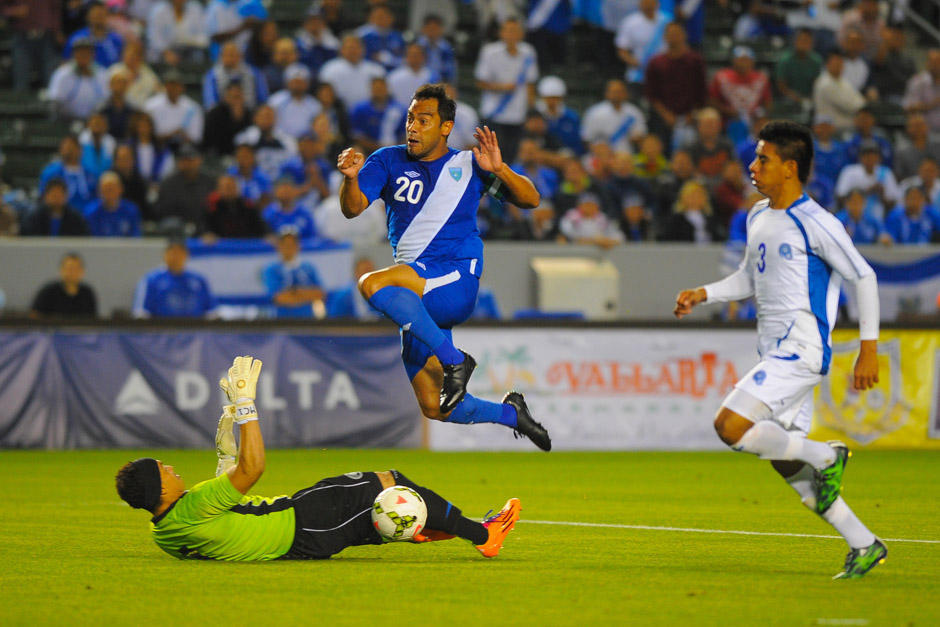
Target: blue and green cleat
[[860, 561], [827, 483]]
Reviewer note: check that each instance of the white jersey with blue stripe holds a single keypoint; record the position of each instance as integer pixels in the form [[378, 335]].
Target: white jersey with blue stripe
[[796, 259], [431, 206]]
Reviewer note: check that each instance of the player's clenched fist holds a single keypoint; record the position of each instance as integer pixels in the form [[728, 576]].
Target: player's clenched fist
[[349, 162], [687, 299]]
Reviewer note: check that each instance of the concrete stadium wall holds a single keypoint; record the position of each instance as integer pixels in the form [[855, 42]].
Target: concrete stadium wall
[[650, 274]]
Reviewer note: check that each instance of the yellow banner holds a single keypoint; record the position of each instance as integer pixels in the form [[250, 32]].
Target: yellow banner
[[902, 411]]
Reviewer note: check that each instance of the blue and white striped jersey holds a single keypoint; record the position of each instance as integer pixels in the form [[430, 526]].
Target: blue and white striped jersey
[[795, 261], [431, 206]]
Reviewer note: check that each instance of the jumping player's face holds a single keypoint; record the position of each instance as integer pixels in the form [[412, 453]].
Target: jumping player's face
[[426, 135], [768, 171]]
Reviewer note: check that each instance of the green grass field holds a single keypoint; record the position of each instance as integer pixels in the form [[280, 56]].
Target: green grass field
[[72, 553]]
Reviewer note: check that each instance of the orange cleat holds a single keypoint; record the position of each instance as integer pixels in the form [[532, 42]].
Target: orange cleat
[[499, 527]]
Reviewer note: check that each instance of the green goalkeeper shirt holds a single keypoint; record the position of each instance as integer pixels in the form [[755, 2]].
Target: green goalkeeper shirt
[[213, 520]]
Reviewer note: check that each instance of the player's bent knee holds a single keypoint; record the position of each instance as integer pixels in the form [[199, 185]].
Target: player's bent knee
[[730, 427], [371, 283]]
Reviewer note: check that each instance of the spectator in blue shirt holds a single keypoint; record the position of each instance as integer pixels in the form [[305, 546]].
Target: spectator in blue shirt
[[347, 301], [253, 184], [829, 157], [309, 170], [378, 121], [286, 211], [915, 222], [383, 44], [564, 124], [862, 226], [528, 164], [547, 31], [293, 284], [108, 44], [438, 52], [865, 130], [97, 145], [67, 167], [316, 43], [112, 215], [173, 291]]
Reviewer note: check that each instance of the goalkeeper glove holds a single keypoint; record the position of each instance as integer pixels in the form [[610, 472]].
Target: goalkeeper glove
[[225, 448], [243, 383]]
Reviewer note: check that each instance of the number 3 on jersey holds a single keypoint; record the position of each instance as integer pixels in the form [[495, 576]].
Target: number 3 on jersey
[[763, 251], [414, 189]]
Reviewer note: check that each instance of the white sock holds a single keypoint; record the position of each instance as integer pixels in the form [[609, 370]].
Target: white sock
[[839, 515], [768, 440]]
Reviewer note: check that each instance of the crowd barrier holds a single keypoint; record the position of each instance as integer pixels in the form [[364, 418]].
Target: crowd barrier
[[595, 387]]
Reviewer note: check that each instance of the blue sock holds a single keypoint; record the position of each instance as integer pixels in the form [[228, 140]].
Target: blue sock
[[472, 410], [406, 309]]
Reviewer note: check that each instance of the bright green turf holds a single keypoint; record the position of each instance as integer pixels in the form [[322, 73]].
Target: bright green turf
[[73, 554]]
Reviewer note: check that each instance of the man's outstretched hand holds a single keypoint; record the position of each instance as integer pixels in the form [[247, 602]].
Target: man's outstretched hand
[[242, 384], [487, 153]]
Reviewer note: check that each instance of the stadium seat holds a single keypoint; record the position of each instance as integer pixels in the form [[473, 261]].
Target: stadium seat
[[22, 104], [534, 314]]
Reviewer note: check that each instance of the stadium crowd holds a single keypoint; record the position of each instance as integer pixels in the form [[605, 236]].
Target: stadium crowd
[[658, 152]]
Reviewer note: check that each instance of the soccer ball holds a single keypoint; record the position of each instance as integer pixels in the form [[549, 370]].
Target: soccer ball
[[398, 513]]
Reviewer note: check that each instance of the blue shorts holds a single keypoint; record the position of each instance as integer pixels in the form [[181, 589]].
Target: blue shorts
[[450, 294]]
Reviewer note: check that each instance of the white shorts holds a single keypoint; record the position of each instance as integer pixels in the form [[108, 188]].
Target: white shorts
[[784, 381]]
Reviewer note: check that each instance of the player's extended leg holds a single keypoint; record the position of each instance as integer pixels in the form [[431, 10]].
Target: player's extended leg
[[448, 521], [397, 292], [746, 424], [865, 550], [512, 412]]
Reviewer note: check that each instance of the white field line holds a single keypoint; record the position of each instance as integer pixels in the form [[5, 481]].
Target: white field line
[[725, 531]]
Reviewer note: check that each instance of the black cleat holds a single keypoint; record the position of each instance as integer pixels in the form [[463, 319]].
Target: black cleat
[[525, 425], [454, 387]]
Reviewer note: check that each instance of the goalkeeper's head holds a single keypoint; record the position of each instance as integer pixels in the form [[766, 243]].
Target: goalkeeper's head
[[147, 483]]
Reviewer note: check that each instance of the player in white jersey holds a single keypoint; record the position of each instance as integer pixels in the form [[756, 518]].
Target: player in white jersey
[[797, 255]]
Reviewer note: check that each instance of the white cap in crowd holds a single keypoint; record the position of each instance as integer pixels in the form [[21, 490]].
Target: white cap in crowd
[[551, 86]]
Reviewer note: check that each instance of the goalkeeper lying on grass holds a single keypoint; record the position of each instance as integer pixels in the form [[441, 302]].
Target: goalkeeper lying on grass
[[214, 520]]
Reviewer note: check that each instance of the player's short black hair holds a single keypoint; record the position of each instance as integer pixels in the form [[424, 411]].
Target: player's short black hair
[[794, 142], [433, 17], [446, 108], [138, 483]]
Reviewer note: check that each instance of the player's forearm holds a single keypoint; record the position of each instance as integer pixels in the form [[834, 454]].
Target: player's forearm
[[869, 308], [251, 459], [735, 286], [352, 201], [519, 189]]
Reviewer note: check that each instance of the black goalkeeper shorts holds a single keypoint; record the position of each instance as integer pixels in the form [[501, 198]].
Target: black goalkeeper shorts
[[334, 514]]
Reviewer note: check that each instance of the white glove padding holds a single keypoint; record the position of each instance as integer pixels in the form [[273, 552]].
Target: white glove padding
[[243, 383], [243, 377], [225, 448], [229, 391], [224, 437]]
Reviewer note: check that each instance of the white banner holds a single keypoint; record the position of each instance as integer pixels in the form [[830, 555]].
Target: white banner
[[617, 389]]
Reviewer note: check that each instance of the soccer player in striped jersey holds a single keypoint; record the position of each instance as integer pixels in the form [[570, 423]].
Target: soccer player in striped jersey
[[216, 520], [796, 258], [431, 195]]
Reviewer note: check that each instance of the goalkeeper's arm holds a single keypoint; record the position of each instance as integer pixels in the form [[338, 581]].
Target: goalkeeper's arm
[[241, 384]]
